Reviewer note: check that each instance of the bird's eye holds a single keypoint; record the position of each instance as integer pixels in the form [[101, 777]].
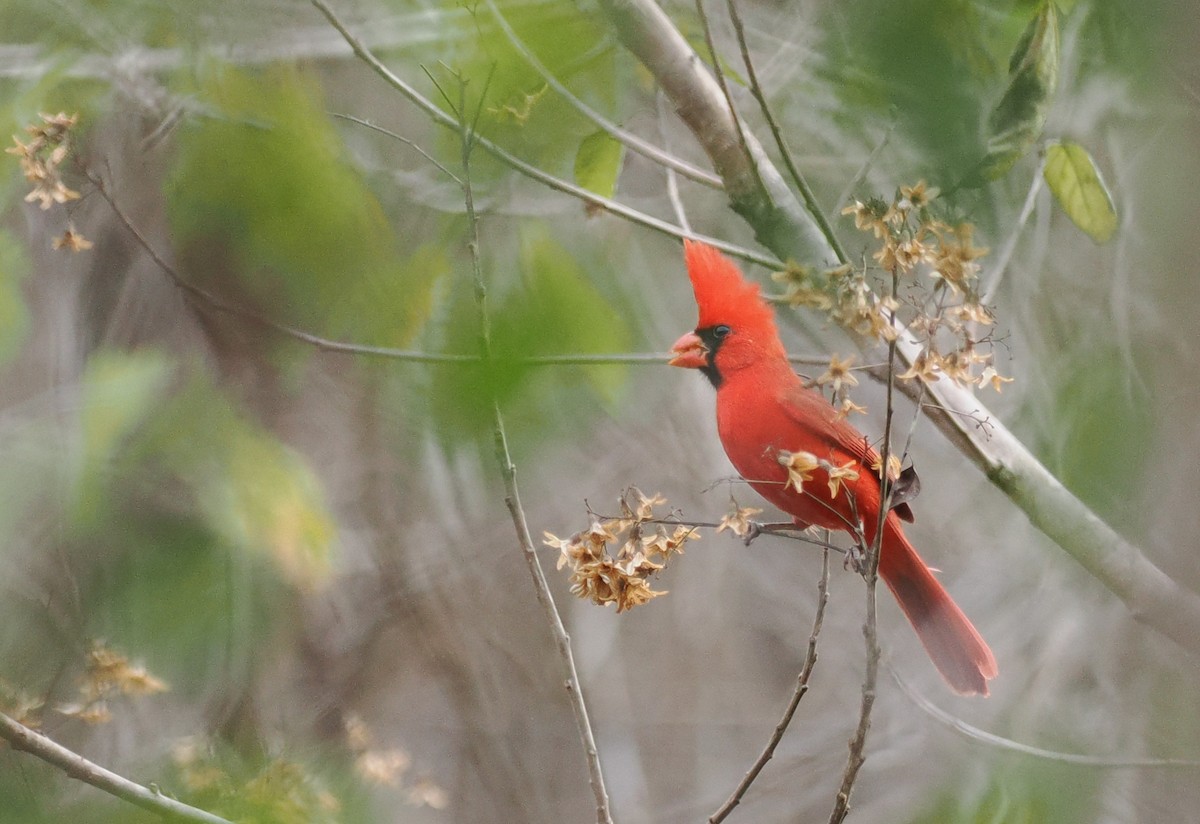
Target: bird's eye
[[721, 331]]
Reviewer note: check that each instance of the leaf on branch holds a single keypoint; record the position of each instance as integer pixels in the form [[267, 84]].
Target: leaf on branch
[[1017, 120], [598, 163], [1073, 177]]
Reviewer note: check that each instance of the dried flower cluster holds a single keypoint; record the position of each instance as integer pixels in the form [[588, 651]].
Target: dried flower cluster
[[801, 466], [946, 314], [281, 791], [109, 673], [390, 768], [41, 162], [646, 544]]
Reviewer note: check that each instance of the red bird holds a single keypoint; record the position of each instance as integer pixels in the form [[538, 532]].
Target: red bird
[[764, 409]]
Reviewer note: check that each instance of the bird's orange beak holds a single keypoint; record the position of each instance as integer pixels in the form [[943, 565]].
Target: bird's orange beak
[[690, 352]]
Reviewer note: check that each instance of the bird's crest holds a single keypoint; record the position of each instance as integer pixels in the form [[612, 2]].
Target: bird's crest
[[722, 293]]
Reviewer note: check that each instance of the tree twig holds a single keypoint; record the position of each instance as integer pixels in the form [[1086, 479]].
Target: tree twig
[[999, 742], [512, 498], [624, 136], [810, 659], [858, 741], [806, 192], [528, 169], [76, 766]]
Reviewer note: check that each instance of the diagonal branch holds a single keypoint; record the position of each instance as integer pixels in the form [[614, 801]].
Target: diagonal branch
[[778, 219], [528, 169], [149, 798], [643, 147], [1149, 593]]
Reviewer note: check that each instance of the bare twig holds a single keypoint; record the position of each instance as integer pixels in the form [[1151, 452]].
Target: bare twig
[[629, 139], [999, 742], [512, 498], [858, 741], [149, 798], [719, 73], [529, 170], [806, 192], [810, 659], [999, 265]]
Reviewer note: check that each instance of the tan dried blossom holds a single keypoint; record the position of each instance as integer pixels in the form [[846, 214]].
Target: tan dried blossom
[[71, 239], [383, 768], [838, 374], [893, 467], [918, 196], [839, 474], [799, 465], [425, 793], [873, 215], [740, 520], [621, 578], [926, 367], [43, 155], [990, 375], [847, 406]]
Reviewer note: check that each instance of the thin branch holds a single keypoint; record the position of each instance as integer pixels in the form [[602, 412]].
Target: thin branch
[[672, 178], [999, 265], [719, 74], [810, 659], [999, 742], [858, 741], [628, 138], [76, 766], [512, 498], [806, 192], [529, 170], [203, 296], [756, 189], [865, 168]]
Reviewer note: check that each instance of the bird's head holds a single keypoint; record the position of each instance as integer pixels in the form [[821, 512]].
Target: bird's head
[[736, 328]]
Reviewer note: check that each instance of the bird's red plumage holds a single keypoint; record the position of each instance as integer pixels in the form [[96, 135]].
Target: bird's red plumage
[[764, 409]]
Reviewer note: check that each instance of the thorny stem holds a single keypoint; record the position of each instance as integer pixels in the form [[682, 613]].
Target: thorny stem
[[810, 659], [149, 798], [512, 497]]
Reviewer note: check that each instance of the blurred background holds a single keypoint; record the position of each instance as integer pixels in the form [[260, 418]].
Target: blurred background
[[310, 550]]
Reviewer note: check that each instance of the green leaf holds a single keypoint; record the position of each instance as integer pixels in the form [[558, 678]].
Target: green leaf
[[120, 391], [251, 489], [598, 163], [554, 309], [14, 317], [1073, 177], [1016, 122]]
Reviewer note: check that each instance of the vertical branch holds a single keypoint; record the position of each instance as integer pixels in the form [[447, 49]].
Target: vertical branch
[[810, 658], [508, 472], [857, 745]]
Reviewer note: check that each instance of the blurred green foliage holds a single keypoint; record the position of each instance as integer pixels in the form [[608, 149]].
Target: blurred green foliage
[[518, 109], [555, 311], [262, 193], [1025, 791]]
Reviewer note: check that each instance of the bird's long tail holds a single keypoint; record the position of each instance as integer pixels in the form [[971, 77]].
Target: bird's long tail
[[955, 646]]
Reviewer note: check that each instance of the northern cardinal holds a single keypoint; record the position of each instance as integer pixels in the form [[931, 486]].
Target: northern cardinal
[[765, 410]]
